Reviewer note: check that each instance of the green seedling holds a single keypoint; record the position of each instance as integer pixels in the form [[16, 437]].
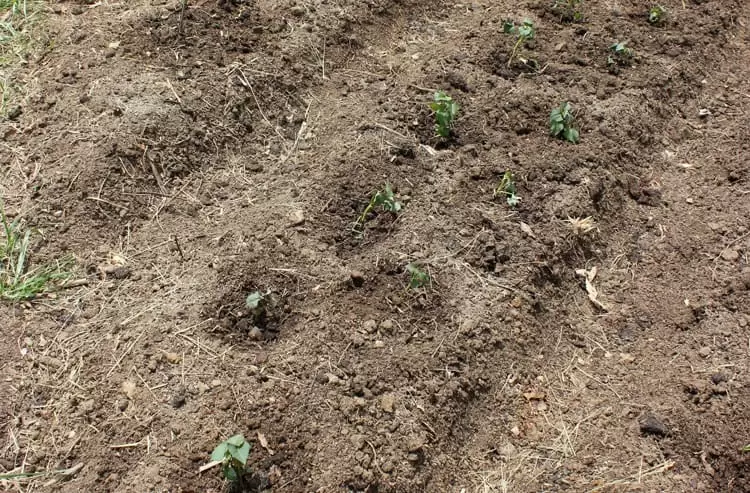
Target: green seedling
[[561, 122], [657, 14], [568, 10], [385, 199], [445, 110], [233, 454], [620, 55], [524, 32], [746, 448], [507, 188], [418, 277], [17, 281], [257, 303]]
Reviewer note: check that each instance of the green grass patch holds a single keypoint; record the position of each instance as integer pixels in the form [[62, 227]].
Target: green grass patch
[[16, 20], [18, 279]]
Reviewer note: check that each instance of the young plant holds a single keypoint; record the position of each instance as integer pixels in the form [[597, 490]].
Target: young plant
[[561, 122], [445, 110], [257, 303], [418, 277], [568, 10], [507, 188], [620, 55], [656, 15], [17, 281], [233, 454], [384, 198], [524, 32]]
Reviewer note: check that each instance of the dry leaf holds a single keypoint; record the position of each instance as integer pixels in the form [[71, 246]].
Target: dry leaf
[[589, 276], [264, 443], [527, 229]]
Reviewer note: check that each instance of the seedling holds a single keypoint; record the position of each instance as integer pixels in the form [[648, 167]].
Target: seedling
[[385, 199], [232, 454], [524, 32], [561, 122], [257, 303], [620, 55], [569, 10], [656, 15], [507, 188], [418, 277], [17, 281], [445, 110]]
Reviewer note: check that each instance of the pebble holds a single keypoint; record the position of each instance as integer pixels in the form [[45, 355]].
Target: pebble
[[386, 326], [704, 352], [387, 402], [297, 218], [370, 326], [358, 278], [730, 255], [255, 334]]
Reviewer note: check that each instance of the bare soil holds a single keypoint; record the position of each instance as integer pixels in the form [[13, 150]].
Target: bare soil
[[187, 157]]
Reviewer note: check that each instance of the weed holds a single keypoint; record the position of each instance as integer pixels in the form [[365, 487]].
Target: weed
[[17, 282], [620, 54], [561, 122], [16, 16], [418, 277], [568, 10], [384, 198], [233, 453], [524, 32], [507, 188], [581, 225], [445, 110], [746, 448], [656, 15]]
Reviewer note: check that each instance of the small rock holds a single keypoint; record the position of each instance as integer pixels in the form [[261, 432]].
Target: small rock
[[255, 334], [387, 401], [718, 378], [298, 11], [651, 425], [357, 278], [379, 344], [412, 457], [177, 401], [128, 388], [122, 404], [202, 387], [297, 218], [515, 431], [414, 444], [704, 352], [387, 467], [370, 326], [331, 378], [386, 326], [173, 358], [87, 406], [730, 255]]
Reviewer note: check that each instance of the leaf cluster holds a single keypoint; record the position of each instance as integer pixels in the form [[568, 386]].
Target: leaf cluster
[[561, 122], [507, 188], [233, 454], [445, 110]]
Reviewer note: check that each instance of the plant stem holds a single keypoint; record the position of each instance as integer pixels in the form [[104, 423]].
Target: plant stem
[[515, 49]]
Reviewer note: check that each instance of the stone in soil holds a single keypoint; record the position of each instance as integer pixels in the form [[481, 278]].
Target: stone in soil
[[651, 425]]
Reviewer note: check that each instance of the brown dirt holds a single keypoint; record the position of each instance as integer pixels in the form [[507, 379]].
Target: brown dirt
[[230, 148]]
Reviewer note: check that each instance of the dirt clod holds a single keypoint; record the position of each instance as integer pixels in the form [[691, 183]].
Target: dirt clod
[[652, 425]]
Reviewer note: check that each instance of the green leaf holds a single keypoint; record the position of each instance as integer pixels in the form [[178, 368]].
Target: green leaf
[[242, 453], [236, 440], [220, 452], [571, 135], [253, 302], [230, 473], [508, 27]]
